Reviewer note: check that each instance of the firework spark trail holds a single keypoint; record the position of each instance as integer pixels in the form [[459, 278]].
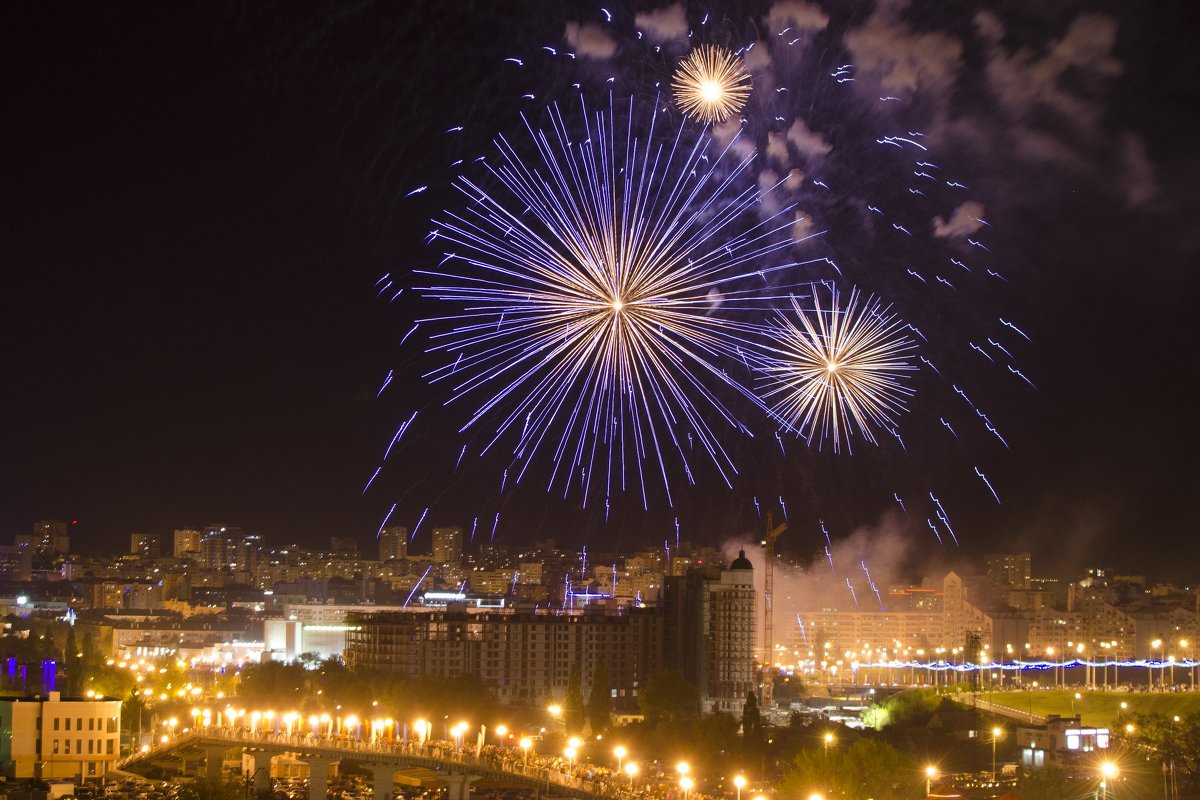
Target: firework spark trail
[[417, 527], [899, 502], [988, 484], [944, 517], [399, 432], [387, 380], [474, 525], [853, 594], [783, 506], [828, 546], [838, 371], [871, 583], [386, 517], [495, 524], [597, 310], [936, 533], [1008, 324], [371, 480], [803, 631], [417, 585]]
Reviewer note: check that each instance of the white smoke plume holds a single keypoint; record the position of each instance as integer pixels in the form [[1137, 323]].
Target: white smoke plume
[[664, 24], [889, 550], [590, 41]]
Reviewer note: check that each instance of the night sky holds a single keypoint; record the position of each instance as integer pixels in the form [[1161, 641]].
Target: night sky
[[198, 199]]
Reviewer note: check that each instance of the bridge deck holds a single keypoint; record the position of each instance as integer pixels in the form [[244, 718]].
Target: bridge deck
[[439, 757]]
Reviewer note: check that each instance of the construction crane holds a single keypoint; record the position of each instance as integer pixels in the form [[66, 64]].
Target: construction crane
[[766, 687]]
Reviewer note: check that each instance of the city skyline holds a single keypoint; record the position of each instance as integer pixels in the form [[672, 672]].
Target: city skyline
[[196, 335]]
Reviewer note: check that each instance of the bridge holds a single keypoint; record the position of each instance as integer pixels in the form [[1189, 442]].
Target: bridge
[[458, 768], [1028, 717]]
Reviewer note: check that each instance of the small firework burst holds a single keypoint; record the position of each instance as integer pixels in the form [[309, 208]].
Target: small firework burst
[[711, 84], [840, 369]]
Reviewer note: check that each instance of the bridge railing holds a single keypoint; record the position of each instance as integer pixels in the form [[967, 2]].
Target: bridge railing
[[435, 752]]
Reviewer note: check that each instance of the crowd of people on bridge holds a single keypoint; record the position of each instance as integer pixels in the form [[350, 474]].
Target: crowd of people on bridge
[[649, 783]]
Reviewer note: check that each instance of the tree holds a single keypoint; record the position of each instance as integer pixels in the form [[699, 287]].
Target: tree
[[573, 712], [211, 790], [1176, 740], [1049, 783], [599, 706], [72, 665], [867, 768], [752, 726], [669, 697], [273, 684]]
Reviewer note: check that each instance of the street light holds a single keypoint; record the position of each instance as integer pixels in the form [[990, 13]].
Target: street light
[[683, 768], [526, 743], [501, 732], [570, 754], [620, 752], [686, 784], [828, 741], [739, 781], [1108, 771], [930, 773], [996, 733], [631, 769], [1156, 644]]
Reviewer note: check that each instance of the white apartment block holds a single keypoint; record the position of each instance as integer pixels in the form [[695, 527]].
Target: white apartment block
[[57, 737]]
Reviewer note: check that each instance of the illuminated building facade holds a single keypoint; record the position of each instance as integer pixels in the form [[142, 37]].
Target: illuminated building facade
[[55, 737]]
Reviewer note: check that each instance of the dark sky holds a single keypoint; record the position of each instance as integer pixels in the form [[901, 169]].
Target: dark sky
[[199, 197]]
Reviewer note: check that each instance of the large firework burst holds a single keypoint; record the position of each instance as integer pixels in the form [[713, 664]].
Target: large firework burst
[[838, 369], [596, 292], [711, 84]]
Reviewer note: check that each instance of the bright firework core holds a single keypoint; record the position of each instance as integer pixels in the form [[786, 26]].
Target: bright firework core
[[839, 369], [608, 292], [711, 84]]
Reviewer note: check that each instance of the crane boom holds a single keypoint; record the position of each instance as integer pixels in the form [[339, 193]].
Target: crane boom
[[768, 681]]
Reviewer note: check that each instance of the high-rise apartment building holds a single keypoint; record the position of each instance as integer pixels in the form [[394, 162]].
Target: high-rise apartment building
[[709, 632], [524, 657], [1012, 570], [147, 545], [187, 543], [48, 536], [227, 547], [16, 563], [448, 546], [393, 543]]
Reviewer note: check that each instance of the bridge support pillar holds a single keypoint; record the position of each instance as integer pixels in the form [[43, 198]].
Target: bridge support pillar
[[459, 786], [383, 782], [256, 766], [318, 775], [214, 758]]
